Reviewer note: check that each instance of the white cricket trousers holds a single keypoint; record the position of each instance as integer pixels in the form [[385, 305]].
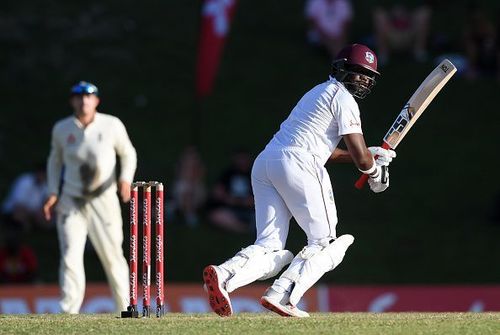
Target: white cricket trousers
[[100, 219], [290, 183]]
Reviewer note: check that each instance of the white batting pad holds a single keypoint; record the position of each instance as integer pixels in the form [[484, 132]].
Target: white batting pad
[[255, 263], [312, 263]]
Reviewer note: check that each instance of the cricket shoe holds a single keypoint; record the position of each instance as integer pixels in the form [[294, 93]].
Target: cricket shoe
[[278, 303], [218, 297]]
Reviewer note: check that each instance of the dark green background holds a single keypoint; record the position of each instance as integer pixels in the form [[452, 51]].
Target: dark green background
[[432, 226]]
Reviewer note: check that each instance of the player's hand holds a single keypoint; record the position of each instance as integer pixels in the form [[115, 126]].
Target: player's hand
[[383, 157], [124, 190], [380, 181], [48, 205]]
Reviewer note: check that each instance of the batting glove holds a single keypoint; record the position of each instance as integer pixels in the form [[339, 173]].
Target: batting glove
[[379, 181], [383, 157]]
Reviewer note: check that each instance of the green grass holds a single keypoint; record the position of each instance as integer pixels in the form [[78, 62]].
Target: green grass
[[319, 323]]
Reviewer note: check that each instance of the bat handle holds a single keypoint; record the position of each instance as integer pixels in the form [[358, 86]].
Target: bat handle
[[360, 183]]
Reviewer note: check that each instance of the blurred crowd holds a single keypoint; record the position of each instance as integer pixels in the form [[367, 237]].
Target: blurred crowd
[[21, 213], [227, 206], [403, 30]]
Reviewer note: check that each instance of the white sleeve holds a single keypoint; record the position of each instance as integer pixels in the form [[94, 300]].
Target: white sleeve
[[126, 152], [346, 112], [54, 164]]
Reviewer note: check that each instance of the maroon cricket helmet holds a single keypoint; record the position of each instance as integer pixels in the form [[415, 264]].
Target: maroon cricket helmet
[[359, 55], [356, 67]]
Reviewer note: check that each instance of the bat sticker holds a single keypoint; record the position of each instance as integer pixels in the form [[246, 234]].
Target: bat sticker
[[399, 125]]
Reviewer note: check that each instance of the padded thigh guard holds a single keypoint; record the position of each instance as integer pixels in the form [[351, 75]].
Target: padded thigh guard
[[255, 263], [312, 263]]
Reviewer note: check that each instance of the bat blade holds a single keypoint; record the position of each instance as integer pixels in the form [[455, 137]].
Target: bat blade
[[415, 106], [418, 102]]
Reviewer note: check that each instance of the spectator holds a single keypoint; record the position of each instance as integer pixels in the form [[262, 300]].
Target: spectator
[[480, 44], [328, 22], [232, 207], [18, 263], [24, 203], [401, 29], [87, 144], [189, 193]]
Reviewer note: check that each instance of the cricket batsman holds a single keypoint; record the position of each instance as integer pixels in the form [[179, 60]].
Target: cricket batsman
[[289, 179]]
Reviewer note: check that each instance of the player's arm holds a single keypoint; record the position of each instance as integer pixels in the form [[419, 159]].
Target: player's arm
[[54, 169], [341, 156], [128, 159], [358, 152], [382, 156], [377, 171]]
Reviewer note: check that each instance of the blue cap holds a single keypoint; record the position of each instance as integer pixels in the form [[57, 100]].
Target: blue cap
[[84, 87]]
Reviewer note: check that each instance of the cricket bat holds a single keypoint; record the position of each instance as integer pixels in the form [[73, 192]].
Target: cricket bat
[[412, 110]]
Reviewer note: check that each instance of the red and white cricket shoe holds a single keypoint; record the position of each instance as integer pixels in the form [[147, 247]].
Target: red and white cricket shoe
[[218, 298], [274, 302]]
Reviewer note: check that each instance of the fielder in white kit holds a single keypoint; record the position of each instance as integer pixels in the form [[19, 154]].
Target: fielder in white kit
[[289, 179], [86, 145]]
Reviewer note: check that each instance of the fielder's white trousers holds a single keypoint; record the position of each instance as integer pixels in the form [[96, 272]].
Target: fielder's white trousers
[[99, 219], [290, 183]]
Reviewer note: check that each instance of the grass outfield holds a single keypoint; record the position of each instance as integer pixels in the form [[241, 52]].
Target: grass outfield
[[319, 323]]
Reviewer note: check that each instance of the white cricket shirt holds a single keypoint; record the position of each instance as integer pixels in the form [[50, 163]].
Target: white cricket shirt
[[88, 155], [318, 121]]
